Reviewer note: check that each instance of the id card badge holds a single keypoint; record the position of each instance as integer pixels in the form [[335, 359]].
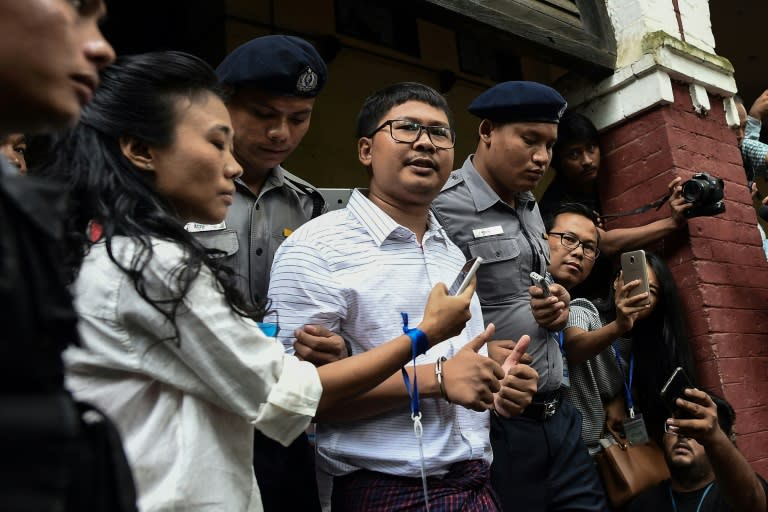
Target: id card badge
[[634, 429]]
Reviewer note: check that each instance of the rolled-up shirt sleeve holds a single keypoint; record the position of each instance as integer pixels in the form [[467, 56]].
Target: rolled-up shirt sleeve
[[583, 315], [754, 151]]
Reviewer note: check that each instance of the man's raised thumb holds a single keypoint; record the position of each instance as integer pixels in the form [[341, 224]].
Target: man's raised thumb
[[476, 344], [514, 357]]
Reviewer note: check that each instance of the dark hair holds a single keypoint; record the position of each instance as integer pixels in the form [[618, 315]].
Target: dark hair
[[726, 416], [138, 98], [660, 343], [574, 128], [575, 208], [382, 101]]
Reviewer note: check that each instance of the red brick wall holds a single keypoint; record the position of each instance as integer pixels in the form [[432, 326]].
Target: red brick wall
[[718, 262]]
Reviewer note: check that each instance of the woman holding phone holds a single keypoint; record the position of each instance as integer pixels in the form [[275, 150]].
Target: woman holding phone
[[621, 340], [169, 349]]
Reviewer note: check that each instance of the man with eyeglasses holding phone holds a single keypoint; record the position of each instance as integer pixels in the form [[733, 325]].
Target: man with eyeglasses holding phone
[[354, 271], [574, 238], [488, 210]]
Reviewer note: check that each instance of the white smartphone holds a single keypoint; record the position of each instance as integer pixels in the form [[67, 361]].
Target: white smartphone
[[465, 276], [541, 282], [634, 267]]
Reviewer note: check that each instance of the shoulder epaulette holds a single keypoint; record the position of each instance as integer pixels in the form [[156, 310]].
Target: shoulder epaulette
[[454, 179], [318, 202]]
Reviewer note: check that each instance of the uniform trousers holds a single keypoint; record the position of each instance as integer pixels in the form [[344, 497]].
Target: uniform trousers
[[543, 465]]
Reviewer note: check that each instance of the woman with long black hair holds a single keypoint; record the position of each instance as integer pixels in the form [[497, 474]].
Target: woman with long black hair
[[170, 350], [602, 340]]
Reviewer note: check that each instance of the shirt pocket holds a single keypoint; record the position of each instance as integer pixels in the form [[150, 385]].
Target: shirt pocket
[[223, 240], [499, 277]]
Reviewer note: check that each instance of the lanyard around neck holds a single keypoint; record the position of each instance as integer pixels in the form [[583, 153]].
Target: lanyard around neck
[[701, 500], [627, 382]]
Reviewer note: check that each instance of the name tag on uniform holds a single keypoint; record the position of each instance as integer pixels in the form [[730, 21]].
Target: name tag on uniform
[[194, 227], [489, 231]]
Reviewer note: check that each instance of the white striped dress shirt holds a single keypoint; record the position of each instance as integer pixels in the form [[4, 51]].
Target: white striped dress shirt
[[354, 271]]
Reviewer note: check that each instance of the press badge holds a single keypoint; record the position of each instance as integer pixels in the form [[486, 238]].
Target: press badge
[[634, 429]]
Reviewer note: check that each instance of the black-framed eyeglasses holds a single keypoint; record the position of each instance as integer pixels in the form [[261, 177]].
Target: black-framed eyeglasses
[[670, 432], [408, 132], [572, 242]]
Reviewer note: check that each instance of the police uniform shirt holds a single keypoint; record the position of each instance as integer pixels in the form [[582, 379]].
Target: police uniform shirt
[[510, 240], [256, 226]]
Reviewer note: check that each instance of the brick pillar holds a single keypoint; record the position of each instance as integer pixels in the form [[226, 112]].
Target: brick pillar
[[718, 262]]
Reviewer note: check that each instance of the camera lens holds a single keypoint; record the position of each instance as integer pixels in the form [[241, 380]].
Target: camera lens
[[693, 190], [631, 259]]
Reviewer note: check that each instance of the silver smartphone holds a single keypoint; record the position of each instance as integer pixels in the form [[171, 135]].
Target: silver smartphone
[[538, 280], [465, 276], [634, 267]]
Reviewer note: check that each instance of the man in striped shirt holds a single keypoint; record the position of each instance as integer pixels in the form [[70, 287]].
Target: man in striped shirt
[[354, 271]]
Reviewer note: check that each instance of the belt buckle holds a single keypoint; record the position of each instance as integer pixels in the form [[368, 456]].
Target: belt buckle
[[550, 408]]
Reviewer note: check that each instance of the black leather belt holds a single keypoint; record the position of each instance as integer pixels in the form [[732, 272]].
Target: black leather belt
[[543, 406]]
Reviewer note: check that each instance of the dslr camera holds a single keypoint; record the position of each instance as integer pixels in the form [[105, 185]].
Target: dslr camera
[[705, 192]]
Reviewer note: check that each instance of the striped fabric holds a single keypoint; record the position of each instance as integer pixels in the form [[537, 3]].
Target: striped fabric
[[753, 150], [353, 271], [596, 381], [466, 487]]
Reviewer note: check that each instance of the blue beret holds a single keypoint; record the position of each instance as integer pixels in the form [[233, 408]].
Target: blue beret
[[282, 65], [521, 102]]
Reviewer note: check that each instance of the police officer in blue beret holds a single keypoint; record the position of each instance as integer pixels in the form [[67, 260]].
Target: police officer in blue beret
[[488, 209], [273, 82]]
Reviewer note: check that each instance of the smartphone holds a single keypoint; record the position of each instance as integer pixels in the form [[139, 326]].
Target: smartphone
[[673, 389], [541, 283], [634, 267], [465, 276]]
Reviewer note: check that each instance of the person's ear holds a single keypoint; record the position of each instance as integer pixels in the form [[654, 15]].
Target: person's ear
[[484, 131], [364, 150], [137, 152]]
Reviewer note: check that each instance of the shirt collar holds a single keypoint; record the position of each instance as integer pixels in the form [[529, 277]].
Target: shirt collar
[[381, 226], [484, 196], [275, 179]]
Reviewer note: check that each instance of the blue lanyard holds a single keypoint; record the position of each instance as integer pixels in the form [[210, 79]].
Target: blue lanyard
[[701, 501], [413, 393], [627, 382], [419, 345]]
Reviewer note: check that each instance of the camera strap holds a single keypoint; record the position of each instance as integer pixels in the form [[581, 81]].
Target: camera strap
[[655, 204]]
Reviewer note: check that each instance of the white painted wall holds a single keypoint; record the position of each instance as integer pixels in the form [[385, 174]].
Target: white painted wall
[[632, 19], [644, 80]]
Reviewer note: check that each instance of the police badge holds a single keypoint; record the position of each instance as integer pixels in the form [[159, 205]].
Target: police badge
[[307, 81]]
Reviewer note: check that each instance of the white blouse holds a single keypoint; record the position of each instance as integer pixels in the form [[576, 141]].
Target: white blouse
[[185, 407]]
